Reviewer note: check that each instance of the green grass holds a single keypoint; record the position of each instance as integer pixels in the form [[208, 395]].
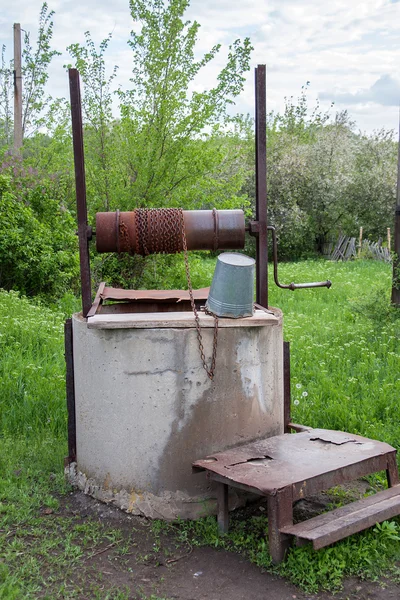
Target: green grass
[[32, 381], [345, 346]]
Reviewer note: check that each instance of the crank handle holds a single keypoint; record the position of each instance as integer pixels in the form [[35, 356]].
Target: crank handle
[[291, 286]]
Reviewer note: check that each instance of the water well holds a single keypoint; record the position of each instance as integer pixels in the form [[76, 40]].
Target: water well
[[141, 406]]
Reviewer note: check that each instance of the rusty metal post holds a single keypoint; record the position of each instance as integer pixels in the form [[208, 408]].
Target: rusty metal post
[[261, 186], [70, 389], [223, 507], [84, 231], [280, 514], [286, 387], [392, 471], [396, 238]]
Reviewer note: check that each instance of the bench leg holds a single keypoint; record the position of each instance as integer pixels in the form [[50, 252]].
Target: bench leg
[[392, 472], [222, 506], [280, 513]]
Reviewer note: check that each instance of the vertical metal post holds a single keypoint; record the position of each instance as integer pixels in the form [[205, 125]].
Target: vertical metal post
[[280, 514], [396, 238], [80, 186], [223, 507], [261, 186], [286, 387], [70, 388], [17, 89]]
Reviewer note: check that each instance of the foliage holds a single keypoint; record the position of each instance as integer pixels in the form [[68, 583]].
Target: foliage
[[346, 348], [35, 64], [6, 122], [324, 179], [38, 108], [343, 366], [175, 140], [32, 368], [37, 243], [170, 147], [97, 111], [38, 547]]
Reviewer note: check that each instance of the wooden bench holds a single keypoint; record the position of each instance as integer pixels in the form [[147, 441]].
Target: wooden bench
[[288, 467]]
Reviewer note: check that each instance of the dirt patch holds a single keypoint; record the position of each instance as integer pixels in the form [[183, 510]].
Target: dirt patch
[[178, 571]]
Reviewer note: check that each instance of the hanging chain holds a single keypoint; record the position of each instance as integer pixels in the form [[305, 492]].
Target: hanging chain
[[210, 371], [163, 230]]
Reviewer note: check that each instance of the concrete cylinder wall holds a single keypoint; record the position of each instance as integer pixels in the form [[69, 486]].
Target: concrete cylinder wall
[[145, 409]]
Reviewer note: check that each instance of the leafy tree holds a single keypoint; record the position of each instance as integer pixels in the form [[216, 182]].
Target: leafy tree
[[35, 64], [165, 130], [37, 106], [169, 147], [323, 178], [97, 104]]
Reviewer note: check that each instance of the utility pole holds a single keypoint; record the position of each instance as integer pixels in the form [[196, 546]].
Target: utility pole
[[17, 90], [396, 237]]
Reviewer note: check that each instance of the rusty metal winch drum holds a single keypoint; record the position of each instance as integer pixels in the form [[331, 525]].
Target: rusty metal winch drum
[[232, 288]]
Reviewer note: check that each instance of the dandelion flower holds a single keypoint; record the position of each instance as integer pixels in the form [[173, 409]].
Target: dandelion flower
[[298, 385], [296, 402], [305, 394]]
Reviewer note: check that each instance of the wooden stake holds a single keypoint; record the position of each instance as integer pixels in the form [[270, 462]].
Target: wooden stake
[[17, 90], [388, 239], [360, 242]]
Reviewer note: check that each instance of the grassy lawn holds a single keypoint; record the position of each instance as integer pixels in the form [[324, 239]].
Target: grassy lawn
[[345, 346]]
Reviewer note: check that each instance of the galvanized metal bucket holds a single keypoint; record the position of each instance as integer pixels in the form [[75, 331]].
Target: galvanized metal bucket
[[232, 288]]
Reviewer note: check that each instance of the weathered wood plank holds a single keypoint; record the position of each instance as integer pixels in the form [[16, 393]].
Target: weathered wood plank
[[352, 518], [182, 319]]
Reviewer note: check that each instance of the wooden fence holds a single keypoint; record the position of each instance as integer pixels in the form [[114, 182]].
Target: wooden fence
[[347, 248]]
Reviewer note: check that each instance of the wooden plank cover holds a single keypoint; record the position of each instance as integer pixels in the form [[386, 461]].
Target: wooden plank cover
[[352, 518], [176, 320]]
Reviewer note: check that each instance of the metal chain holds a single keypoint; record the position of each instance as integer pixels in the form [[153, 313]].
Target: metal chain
[[158, 231], [163, 230], [210, 371]]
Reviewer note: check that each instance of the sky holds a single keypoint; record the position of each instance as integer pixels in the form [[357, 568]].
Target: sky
[[348, 50]]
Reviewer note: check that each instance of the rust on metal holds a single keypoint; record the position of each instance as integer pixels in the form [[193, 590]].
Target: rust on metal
[[110, 293], [147, 231], [286, 387], [223, 507], [117, 300], [280, 514], [97, 300], [288, 467], [304, 461], [291, 286], [261, 185], [70, 389], [84, 232]]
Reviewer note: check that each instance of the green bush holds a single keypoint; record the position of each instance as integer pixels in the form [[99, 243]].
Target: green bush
[[38, 248]]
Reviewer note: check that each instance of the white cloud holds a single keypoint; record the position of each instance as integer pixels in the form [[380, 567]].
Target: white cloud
[[385, 91], [344, 48]]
